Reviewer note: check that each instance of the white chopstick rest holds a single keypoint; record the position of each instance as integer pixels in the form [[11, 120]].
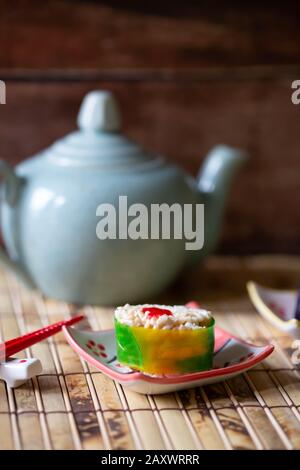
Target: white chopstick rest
[[17, 371]]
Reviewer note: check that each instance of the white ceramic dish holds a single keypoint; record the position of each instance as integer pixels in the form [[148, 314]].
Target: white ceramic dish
[[279, 307]]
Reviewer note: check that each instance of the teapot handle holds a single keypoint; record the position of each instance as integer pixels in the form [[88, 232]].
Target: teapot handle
[[10, 192]]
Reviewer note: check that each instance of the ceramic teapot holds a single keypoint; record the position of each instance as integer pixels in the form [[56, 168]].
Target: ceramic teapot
[[49, 211]]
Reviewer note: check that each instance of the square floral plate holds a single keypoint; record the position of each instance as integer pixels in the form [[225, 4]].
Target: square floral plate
[[231, 357]]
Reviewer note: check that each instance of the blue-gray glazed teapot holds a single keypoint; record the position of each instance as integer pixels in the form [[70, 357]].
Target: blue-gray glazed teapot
[[49, 211]]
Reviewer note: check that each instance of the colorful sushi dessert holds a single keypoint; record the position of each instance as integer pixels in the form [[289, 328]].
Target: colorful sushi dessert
[[164, 340]]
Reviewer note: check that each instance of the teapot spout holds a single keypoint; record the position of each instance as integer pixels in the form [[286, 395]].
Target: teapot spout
[[213, 183]]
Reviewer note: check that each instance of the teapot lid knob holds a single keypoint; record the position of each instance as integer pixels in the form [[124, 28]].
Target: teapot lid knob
[[99, 111]]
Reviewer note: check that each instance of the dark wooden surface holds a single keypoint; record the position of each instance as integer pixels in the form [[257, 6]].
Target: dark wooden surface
[[187, 74], [119, 35]]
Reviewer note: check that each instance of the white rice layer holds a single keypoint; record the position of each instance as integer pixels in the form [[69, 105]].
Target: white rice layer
[[182, 318]]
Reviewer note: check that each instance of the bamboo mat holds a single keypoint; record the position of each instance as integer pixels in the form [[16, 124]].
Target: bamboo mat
[[73, 406]]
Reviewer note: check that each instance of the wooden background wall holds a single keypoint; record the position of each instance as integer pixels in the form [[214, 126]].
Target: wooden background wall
[[188, 75]]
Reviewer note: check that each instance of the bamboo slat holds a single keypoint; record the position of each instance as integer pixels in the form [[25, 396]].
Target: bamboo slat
[[4, 406], [289, 380], [51, 394], [148, 430], [118, 430], [206, 429], [177, 429], [60, 431], [30, 431], [107, 393], [6, 438], [289, 423]]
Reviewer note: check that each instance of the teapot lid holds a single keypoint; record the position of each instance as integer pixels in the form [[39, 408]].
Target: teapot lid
[[98, 140]]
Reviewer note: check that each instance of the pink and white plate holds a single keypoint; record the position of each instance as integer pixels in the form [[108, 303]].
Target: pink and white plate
[[232, 356], [279, 307]]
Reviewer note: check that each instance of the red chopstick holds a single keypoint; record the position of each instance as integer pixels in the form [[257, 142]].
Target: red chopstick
[[13, 346]]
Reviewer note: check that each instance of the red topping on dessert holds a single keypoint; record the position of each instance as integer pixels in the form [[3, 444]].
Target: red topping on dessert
[[156, 312]]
